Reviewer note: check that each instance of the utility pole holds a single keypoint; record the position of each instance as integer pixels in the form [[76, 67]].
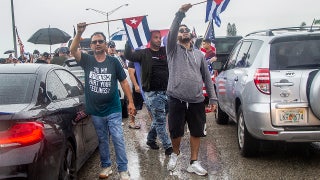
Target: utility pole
[[14, 30]]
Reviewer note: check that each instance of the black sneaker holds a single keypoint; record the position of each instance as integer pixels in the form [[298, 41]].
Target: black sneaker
[[168, 151], [153, 145]]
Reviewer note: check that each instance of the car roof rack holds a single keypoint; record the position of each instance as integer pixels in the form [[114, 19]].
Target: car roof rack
[[270, 32]]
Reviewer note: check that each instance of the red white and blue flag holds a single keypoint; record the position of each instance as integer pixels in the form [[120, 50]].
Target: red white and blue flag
[[214, 8], [137, 30]]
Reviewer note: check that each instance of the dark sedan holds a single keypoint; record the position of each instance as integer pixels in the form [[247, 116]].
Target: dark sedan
[[44, 131]]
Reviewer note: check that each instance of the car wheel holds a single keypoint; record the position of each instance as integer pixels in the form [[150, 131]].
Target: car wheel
[[313, 92], [249, 146], [68, 164], [223, 117], [124, 108]]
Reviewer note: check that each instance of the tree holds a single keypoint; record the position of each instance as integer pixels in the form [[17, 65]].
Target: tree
[[234, 30], [231, 30], [303, 24]]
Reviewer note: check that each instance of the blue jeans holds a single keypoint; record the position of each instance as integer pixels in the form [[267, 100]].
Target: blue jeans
[[111, 125], [157, 102]]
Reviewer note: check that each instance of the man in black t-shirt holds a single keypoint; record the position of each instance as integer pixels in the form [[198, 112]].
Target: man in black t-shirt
[[154, 80]]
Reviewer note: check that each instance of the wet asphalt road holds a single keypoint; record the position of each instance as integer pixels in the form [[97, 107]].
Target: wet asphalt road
[[219, 154]]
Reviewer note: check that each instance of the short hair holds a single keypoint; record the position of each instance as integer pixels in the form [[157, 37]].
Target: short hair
[[98, 33], [183, 25], [206, 41], [154, 31]]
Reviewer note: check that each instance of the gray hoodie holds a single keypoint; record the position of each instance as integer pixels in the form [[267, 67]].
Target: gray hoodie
[[188, 69]]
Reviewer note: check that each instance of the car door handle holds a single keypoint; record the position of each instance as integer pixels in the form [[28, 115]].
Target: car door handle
[[280, 84]]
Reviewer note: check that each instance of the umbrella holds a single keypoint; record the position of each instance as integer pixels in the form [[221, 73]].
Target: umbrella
[[49, 36], [9, 52]]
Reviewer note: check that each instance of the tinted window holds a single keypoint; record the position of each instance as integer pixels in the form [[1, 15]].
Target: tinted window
[[55, 88], [72, 85], [254, 49], [16, 88], [233, 57], [241, 59], [298, 54]]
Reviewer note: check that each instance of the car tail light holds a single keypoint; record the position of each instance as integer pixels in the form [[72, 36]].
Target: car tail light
[[262, 80], [22, 134]]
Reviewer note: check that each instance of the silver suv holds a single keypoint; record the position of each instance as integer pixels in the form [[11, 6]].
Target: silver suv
[[270, 86]]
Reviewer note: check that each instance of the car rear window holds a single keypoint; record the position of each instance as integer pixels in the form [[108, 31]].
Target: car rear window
[[295, 54], [16, 88]]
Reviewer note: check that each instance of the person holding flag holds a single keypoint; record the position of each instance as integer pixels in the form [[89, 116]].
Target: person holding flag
[[187, 72], [154, 78], [102, 73]]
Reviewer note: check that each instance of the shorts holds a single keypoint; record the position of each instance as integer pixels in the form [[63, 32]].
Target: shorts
[[137, 99], [181, 113]]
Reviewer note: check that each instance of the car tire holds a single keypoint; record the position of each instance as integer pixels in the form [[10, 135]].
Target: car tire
[[124, 105], [68, 169], [248, 145], [222, 118], [313, 92]]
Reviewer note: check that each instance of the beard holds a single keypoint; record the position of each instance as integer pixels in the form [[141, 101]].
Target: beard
[[98, 52], [155, 45], [184, 40]]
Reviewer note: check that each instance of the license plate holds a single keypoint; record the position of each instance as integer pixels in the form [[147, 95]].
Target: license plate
[[292, 115]]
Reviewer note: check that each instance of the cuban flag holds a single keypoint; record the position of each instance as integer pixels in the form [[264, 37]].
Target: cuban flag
[[137, 30], [214, 8]]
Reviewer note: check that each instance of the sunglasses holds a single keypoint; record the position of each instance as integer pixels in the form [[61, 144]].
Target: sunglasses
[[98, 41], [182, 30], [112, 46]]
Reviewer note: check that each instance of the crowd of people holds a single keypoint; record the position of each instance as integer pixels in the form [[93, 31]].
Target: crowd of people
[[58, 57], [171, 87]]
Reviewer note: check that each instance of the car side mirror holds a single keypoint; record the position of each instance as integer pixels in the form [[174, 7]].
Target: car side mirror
[[217, 65]]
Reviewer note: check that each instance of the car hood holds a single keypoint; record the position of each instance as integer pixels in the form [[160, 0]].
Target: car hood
[[12, 108]]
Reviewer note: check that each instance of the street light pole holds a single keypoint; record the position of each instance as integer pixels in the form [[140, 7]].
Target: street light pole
[[107, 14], [14, 30]]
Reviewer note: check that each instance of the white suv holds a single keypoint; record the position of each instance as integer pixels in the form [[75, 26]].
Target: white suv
[[270, 86]]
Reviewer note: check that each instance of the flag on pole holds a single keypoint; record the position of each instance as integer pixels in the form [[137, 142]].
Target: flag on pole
[[137, 30], [210, 35], [214, 8], [20, 43]]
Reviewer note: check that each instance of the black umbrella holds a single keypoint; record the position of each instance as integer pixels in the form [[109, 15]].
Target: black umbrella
[[49, 36], [9, 52]]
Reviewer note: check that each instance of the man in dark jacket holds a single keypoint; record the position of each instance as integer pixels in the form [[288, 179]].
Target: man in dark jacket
[[154, 79]]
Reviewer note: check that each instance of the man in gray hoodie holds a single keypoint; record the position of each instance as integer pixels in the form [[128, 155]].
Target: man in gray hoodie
[[187, 71]]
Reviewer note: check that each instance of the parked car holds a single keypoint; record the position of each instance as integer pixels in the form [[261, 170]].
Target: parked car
[[76, 69], [270, 87], [44, 131]]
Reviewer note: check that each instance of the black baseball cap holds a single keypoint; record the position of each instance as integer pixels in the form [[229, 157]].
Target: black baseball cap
[[111, 44]]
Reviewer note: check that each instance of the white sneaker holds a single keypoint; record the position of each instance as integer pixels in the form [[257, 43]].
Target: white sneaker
[[195, 167], [172, 161], [105, 172], [124, 175]]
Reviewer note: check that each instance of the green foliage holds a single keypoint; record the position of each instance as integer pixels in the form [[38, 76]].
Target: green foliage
[[231, 30]]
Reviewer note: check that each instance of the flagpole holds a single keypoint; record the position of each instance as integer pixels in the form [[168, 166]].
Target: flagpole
[[198, 3], [107, 21]]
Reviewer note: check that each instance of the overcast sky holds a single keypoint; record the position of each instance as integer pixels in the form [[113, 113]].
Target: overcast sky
[[248, 16]]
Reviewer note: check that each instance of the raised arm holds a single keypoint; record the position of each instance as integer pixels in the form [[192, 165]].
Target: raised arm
[[174, 28], [74, 48]]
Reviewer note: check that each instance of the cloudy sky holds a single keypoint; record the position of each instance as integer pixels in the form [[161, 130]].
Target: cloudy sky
[[248, 16]]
